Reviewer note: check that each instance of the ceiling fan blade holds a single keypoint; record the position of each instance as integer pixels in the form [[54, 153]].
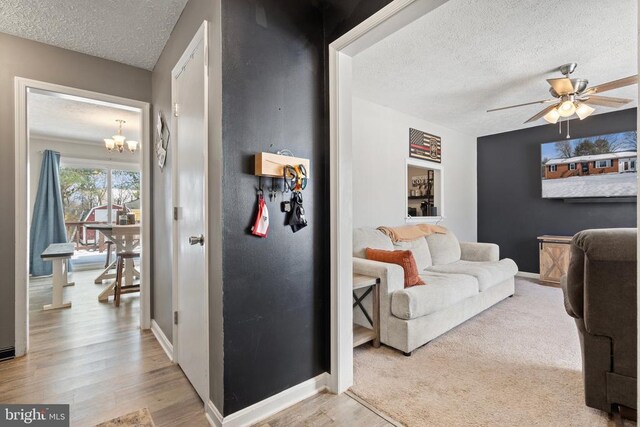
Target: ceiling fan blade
[[615, 84], [522, 105], [562, 86], [542, 113], [606, 101]]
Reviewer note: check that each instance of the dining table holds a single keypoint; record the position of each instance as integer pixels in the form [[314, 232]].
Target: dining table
[[126, 238]]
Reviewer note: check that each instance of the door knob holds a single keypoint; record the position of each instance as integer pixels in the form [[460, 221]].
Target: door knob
[[194, 240]]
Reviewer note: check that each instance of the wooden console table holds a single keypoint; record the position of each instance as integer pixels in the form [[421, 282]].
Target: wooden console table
[[554, 257], [361, 334]]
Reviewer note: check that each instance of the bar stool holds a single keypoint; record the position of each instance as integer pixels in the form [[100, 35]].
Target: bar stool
[[121, 257]]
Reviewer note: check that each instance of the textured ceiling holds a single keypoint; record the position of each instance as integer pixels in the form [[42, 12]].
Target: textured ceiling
[[55, 117], [468, 56], [131, 32]]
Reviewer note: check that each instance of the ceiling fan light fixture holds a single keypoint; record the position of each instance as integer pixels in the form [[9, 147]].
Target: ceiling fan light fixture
[[567, 108], [583, 111], [552, 116]]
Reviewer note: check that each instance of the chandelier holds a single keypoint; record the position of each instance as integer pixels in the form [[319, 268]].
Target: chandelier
[[117, 141]]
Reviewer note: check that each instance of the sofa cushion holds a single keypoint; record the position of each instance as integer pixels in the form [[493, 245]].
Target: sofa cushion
[[420, 250], [441, 291], [444, 248], [403, 258], [488, 273], [367, 237]]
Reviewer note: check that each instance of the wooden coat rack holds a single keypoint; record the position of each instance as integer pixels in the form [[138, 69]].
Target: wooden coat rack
[[272, 165]]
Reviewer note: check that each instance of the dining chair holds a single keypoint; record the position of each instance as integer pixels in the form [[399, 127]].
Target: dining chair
[[119, 288]]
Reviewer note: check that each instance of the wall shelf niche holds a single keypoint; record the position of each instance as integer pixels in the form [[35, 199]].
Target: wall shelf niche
[[424, 191]]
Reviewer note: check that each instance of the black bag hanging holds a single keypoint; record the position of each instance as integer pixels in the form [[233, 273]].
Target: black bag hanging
[[297, 220]]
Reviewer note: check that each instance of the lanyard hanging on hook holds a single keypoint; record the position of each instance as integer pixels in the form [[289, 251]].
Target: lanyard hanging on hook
[[261, 224]]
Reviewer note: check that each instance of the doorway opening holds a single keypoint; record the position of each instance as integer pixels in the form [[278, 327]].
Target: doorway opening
[[393, 17], [82, 219], [407, 188]]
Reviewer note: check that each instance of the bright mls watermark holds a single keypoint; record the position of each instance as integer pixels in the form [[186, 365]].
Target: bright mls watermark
[[34, 415]]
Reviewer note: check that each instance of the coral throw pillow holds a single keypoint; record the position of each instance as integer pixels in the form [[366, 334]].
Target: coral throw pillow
[[403, 258]]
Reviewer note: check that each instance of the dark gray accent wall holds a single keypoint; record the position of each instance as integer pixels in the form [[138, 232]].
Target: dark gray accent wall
[[511, 210], [276, 290], [340, 16], [25, 58]]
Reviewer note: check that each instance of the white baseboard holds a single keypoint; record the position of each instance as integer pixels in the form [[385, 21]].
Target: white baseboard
[[527, 275], [265, 408], [162, 339], [212, 414]]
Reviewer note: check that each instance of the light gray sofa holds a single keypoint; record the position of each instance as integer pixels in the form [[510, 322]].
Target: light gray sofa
[[462, 279]]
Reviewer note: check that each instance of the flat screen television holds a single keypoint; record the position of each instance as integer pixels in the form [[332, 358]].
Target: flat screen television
[[594, 167]]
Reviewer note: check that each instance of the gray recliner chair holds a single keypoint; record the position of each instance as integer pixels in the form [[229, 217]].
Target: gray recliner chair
[[600, 293]]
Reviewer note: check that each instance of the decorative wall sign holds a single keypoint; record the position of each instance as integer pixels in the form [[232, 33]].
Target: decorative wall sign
[[425, 146], [419, 180], [162, 140]]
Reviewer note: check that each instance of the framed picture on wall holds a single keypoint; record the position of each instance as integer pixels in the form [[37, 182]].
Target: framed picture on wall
[[424, 146]]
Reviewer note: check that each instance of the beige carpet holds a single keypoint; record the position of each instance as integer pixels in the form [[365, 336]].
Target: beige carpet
[[516, 364], [139, 418]]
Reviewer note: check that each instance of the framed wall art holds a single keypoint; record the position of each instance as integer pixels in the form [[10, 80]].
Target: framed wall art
[[424, 146]]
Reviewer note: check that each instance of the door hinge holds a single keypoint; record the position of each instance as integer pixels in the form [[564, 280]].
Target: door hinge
[[175, 317], [176, 213], [176, 109]]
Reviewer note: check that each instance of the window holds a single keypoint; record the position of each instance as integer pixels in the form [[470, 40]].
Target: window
[[125, 191], [84, 191], [603, 164], [572, 166], [96, 194], [553, 168], [633, 164]]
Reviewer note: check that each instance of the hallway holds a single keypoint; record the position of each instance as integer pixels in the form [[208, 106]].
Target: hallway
[[94, 357]]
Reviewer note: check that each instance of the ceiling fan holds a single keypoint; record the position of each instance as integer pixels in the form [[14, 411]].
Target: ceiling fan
[[573, 96]]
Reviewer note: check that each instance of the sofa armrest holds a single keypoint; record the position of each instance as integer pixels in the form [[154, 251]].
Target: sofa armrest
[[567, 302], [471, 251], [573, 284], [391, 275]]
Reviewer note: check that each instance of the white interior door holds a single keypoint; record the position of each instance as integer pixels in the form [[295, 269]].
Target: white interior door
[[189, 92]]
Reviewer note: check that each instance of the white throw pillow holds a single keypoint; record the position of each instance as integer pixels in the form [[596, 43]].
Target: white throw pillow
[[444, 248], [420, 250], [367, 237]]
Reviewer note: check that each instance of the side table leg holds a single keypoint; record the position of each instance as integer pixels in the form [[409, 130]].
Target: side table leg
[[376, 315]]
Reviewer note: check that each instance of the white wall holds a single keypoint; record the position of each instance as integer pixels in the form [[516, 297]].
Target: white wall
[[380, 149]]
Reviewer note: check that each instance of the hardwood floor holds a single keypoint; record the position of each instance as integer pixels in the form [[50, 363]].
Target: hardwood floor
[[94, 357], [326, 409]]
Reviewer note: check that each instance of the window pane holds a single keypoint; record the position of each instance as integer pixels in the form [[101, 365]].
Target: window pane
[[84, 197], [125, 192]]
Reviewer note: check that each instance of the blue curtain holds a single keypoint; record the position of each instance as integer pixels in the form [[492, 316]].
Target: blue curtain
[[47, 222]]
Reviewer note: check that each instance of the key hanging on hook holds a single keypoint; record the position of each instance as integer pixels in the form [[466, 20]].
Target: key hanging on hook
[[273, 192]]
